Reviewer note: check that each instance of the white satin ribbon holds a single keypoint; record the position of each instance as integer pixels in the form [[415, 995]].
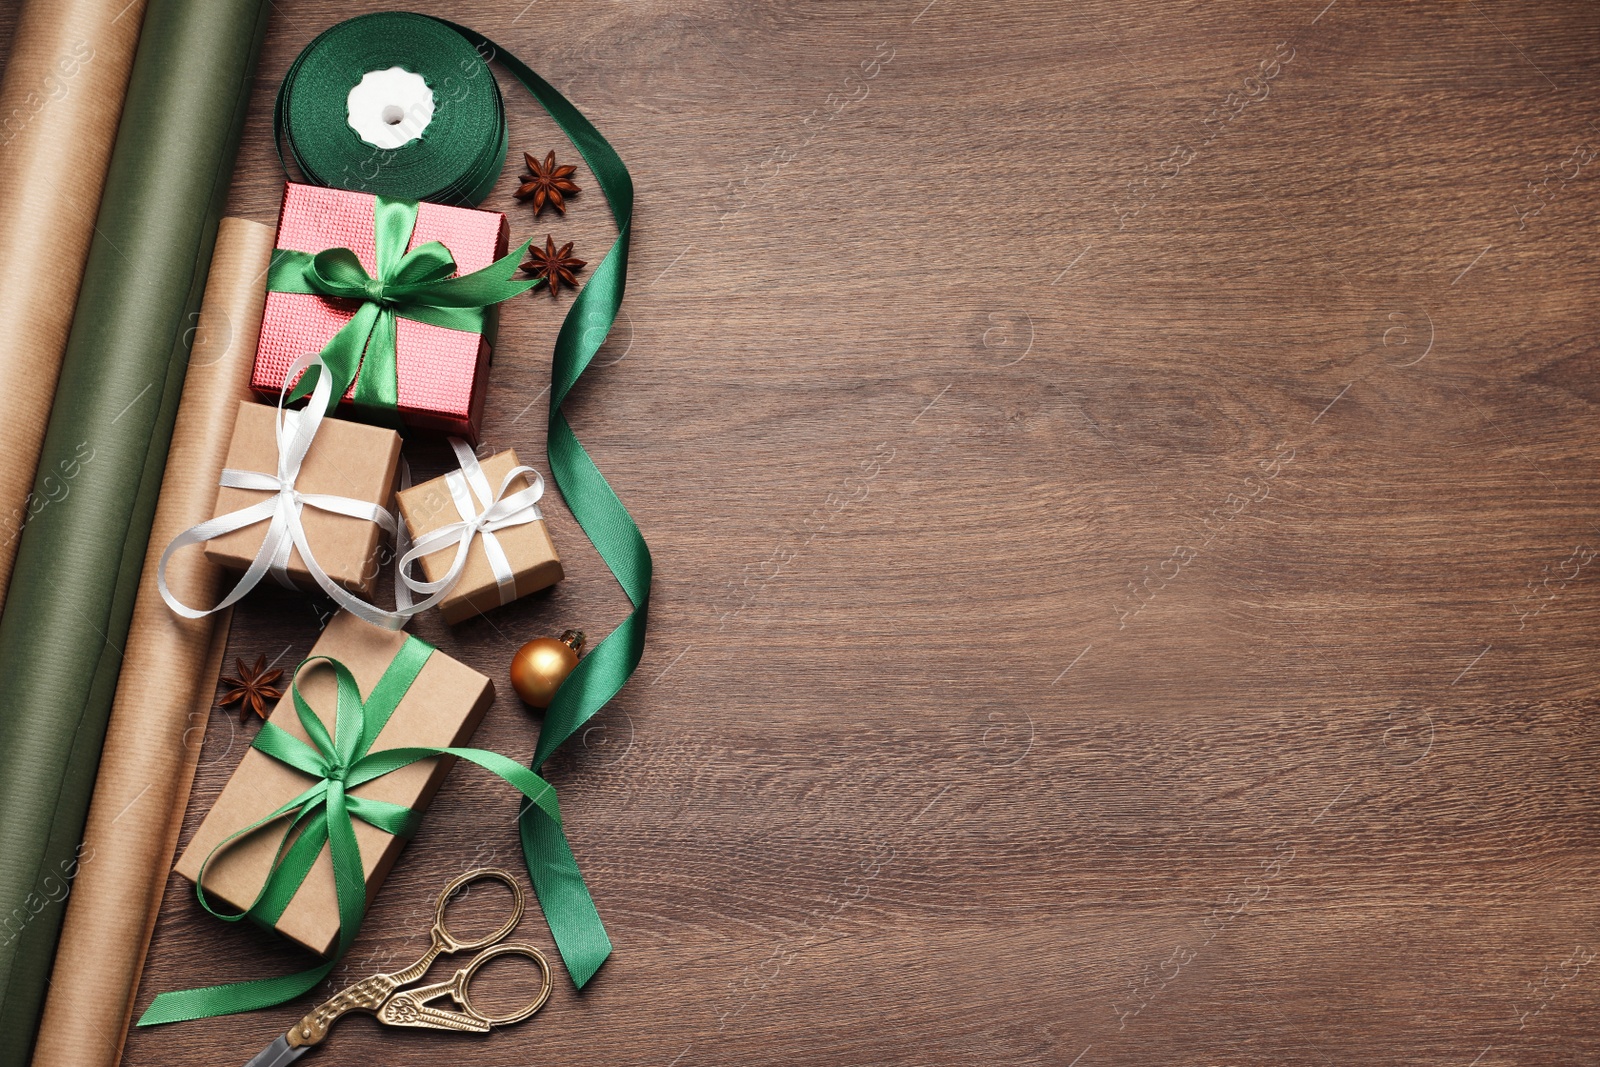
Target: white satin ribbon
[[295, 432], [483, 511]]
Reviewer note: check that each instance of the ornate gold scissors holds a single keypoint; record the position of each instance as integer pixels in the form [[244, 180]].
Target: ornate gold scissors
[[383, 995]]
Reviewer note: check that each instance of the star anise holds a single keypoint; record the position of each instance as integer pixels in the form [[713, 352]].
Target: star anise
[[554, 265], [252, 690], [546, 183]]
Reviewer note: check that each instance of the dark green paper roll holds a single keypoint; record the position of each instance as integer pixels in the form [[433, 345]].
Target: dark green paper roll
[[77, 570]]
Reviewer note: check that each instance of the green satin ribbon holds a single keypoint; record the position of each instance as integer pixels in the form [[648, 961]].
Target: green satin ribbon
[[598, 677], [409, 285], [323, 814]]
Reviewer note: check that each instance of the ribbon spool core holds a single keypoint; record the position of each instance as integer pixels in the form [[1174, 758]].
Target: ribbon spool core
[[389, 109]]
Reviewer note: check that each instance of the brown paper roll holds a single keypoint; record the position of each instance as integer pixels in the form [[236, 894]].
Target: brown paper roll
[[165, 689], [59, 107]]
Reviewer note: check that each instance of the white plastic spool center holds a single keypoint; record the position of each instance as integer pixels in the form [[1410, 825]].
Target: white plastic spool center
[[390, 108]]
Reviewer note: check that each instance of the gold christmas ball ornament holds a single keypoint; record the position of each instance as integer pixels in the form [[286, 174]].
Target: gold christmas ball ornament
[[541, 665]]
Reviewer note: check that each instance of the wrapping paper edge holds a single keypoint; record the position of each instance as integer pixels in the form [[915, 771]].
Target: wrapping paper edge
[[71, 156]]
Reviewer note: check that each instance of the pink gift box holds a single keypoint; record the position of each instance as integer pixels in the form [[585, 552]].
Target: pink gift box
[[443, 374]]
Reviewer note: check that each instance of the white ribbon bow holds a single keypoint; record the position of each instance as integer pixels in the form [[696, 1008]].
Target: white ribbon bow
[[295, 432], [490, 511]]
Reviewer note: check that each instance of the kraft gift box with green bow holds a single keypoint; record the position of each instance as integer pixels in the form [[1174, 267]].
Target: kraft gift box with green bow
[[441, 707], [398, 296], [323, 801]]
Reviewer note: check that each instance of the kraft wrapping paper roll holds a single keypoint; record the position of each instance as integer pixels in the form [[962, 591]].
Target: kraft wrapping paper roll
[[59, 106], [77, 570], [165, 690]]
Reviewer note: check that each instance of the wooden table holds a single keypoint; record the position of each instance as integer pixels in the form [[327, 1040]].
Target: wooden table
[[1122, 481]]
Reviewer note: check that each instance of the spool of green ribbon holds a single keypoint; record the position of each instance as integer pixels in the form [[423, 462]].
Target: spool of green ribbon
[[458, 153]]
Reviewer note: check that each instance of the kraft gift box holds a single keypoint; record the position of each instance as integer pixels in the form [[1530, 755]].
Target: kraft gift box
[[347, 459], [531, 553], [443, 707]]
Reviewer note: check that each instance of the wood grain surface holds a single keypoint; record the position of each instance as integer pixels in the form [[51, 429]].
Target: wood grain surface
[[1122, 480]]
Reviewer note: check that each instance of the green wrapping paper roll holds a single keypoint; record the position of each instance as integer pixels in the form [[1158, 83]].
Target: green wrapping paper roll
[[78, 565]]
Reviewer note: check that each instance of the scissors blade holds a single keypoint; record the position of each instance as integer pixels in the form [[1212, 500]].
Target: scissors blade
[[277, 1054]]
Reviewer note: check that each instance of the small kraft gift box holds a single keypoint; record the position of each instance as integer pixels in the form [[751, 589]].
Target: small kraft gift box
[[422, 374], [442, 707], [346, 459], [528, 553]]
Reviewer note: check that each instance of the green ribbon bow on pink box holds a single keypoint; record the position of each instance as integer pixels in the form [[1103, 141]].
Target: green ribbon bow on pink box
[[420, 285]]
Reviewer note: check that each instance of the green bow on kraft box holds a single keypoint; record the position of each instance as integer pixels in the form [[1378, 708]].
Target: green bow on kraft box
[[320, 807], [397, 295]]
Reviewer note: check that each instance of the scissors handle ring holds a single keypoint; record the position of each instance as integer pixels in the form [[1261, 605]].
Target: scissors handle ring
[[441, 933], [505, 948]]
